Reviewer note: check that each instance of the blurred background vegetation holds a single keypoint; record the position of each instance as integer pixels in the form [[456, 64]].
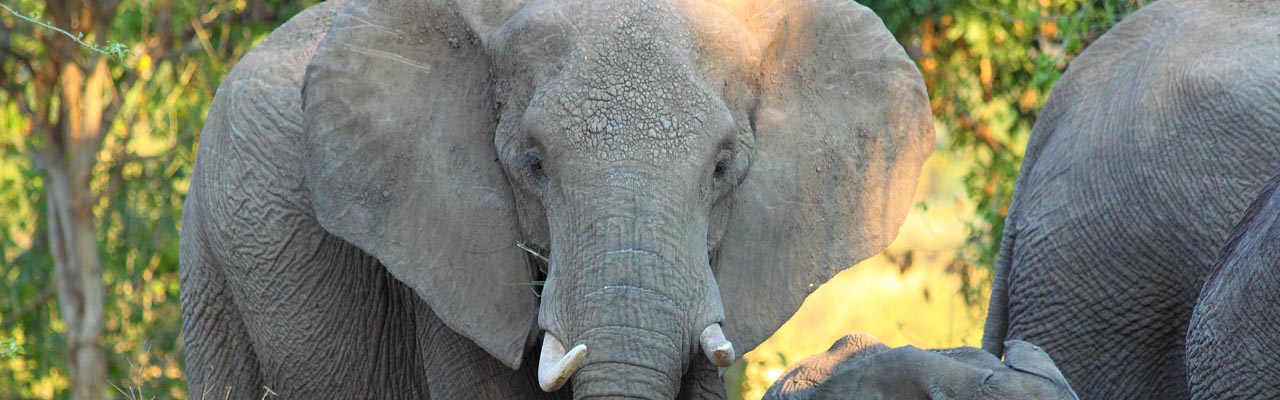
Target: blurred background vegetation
[[96, 150]]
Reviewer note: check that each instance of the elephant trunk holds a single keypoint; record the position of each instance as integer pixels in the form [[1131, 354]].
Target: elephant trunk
[[641, 314], [638, 333], [634, 287], [632, 363]]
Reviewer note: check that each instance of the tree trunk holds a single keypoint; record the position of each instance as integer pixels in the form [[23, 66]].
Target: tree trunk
[[73, 129], [70, 153]]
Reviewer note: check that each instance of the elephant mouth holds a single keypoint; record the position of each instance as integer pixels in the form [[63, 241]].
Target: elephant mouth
[[537, 258]]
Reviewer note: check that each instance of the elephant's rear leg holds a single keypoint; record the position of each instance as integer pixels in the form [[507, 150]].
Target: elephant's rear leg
[[220, 359]]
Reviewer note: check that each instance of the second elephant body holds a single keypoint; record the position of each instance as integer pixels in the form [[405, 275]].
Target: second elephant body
[[1149, 149]]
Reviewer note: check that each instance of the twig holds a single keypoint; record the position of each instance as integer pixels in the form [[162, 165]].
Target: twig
[[268, 392], [113, 48], [540, 257], [207, 386], [535, 253], [118, 389], [39, 245], [40, 300]]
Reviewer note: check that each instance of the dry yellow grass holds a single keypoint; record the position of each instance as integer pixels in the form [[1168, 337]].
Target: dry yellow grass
[[918, 305]]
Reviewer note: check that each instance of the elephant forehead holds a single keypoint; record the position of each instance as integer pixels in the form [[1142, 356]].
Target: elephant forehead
[[632, 85], [612, 110]]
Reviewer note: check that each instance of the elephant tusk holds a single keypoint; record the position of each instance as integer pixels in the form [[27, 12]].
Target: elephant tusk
[[716, 347], [555, 366]]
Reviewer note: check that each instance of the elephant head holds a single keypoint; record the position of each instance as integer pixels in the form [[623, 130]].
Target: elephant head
[[690, 170], [860, 367]]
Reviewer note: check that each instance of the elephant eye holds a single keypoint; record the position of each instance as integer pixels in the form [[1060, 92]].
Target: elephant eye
[[533, 163], [722, 167]]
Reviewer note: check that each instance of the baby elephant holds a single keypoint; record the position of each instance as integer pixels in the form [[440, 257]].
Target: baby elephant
[[860, 367]]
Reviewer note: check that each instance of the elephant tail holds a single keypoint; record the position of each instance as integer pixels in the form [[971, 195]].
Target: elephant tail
[[996, 328]]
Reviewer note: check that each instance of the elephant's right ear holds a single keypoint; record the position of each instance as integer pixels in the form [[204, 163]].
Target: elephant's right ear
[[401, 161]]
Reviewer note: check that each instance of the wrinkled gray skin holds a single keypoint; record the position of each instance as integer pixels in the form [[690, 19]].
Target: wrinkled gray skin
[[860, 367], [1233, 350], [366, 172], [1149, 149]]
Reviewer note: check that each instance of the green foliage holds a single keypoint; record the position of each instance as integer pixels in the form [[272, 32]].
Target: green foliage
[[9, 348], [167, 59], [989, 66]]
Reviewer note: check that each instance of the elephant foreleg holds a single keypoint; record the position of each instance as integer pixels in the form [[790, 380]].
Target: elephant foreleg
[[457, 368], [221, 362]]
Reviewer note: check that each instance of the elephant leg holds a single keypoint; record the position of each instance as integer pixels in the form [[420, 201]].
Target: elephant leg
[[457, 368], [702, 381], [327, 320], [220, 359]]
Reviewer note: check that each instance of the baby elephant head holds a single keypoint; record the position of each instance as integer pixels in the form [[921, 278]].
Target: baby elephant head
[[860, 367]]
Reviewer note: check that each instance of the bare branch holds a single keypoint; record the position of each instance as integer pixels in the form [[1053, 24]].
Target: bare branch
[[113, 48], [39, 301]]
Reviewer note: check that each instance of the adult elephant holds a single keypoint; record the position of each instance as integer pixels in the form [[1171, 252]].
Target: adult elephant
[[1232, 346], [1149, 149], [690, 170]]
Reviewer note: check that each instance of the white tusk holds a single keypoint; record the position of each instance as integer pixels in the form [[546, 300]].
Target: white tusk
[[555, 366], [716, 347]]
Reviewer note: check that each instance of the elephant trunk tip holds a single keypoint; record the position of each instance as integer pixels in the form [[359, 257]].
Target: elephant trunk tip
[[555, 366]]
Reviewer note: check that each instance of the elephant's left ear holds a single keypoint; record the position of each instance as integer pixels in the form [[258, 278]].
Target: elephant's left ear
[[842, 127], [401, 161]]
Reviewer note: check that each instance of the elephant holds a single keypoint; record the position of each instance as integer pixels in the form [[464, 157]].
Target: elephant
[[1148, 150], [537, 199], [1232, 342], [857, 366]]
